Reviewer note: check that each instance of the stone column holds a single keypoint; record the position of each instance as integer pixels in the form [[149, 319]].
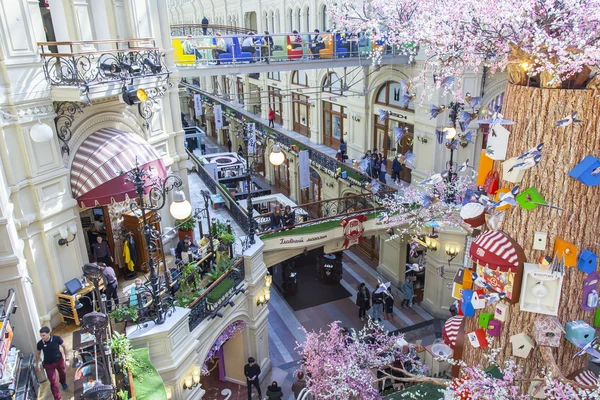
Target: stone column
[[392, 259]]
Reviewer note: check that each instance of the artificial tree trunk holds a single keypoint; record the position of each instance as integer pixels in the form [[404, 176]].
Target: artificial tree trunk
[[536, 111]]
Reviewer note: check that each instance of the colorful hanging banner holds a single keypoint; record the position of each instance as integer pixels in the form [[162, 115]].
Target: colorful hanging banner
[[304, 169], [251, 139], [198, 105], [218, 116], [353, 229]]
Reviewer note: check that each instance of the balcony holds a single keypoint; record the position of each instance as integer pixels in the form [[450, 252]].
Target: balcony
[[88, 70]]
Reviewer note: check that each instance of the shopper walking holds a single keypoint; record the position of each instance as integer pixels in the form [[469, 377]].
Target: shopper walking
[[388, 302], [252, 372], [363, 301], [396, 169], [54, 360], [110, 285], [274, 391], [377, 306], [298, 385], [343, 149], [204, 25], [101, 251], [229, 144], [271, 118], [382, 169], [407, 292]]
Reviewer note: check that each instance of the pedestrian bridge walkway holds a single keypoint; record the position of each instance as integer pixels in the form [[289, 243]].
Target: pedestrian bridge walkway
[[210, 55]]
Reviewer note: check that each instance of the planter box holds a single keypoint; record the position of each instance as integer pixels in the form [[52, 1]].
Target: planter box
[[214, 297]]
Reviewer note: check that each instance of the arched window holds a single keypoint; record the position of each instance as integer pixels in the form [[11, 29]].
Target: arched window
[[391, 94], [298, 19], [278, 27], [307, 19], [291, 16], [273, 26], [266, 21], [332, 83], [324, 18], [299, 78]]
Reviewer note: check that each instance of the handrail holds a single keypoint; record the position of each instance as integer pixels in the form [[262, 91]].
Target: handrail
[[84, 42], [96, 52], [319, 220], [210, 27]]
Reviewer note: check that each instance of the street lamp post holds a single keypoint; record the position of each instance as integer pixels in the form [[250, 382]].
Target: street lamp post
[[156, 190]]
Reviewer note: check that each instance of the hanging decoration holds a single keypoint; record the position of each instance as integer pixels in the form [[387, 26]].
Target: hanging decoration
[[353, 229]]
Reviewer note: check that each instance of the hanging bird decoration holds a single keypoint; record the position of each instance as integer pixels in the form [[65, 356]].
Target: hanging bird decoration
[[439, 136], [382, 115], [407, 98], [568, 120], [532, 152], [466, 137], [409, 159], [495, 220], [428, 200], [472, 101], [383, 288], [432, 180], [433, 110], [497, 119], [527, 163], [447, 82], [558, 266], [399, 133], [596, 171], [463, 167], [466, 118], [505, 199]]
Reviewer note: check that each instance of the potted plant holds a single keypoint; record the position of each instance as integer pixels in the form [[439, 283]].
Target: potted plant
[[186, 227], [123, 313]]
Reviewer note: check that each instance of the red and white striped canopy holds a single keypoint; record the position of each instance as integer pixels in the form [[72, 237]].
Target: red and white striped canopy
[[495, 250], [586, 378], [451, 330], [97, 171]]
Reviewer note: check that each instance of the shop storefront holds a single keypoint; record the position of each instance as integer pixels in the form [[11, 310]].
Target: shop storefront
[[300, 111], [276, 103], [282, 177], [335, 121]]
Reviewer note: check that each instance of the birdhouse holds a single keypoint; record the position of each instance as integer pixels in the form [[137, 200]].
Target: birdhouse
[[579, 332], [467, 306], [566, 250], [497, 143], [468, 279], [587, 262], [589, 300], [530, 198], [478, 301], [583, 171], [547, 331], [540, 290], [457, 284], [514, 176], [536, 389], [485, 318], [494, 328], [494, 372], [478, 339], [486, 164], [501, 312], [521, 345]]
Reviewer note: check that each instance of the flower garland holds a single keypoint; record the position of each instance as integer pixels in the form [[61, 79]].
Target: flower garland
[[231, 331]]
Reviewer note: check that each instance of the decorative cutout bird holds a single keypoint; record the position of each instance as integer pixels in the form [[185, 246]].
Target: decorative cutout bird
[[399, 133], [587, 348], [447, 82], [497, 119], [495, 220], [532, 152], [472, 101], [407, 98], [494, 297], [439, 136], [434, 110], [428, 200], [466, 118], [527, 163], [569, 120], [463, 167], [383, 288], [414, 267], [506, 199], [382, 115], [595, 171], [432, 180], [466, 136], [409, 159]]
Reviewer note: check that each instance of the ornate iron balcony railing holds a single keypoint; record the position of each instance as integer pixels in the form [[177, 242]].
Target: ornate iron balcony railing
[[87, 63]]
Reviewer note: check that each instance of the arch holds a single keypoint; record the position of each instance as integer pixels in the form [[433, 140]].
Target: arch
[[307, 19], [299, 19], [266, 21], [390, 94], [324, 17], [290, 20], [299, 78], [278, 27], [273, 28], [332, 83]]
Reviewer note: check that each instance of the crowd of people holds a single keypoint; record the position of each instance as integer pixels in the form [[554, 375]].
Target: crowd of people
[[382, 302], [377, 164]]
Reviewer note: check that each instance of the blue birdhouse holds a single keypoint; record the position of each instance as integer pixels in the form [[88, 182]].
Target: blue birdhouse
[[583, 171], [467, 307], [587, 262], [579, 332]]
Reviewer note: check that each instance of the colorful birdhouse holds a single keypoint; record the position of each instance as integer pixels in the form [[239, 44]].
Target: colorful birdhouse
[[467, 306], [494, 372], [497, 143], [540, 290], [578, 332], [485, 166], [457, 284], [589, 300], [566, 250], [584, 171], [485, 318], [478, 339], [547, 331], [478, 299], [499, 194], [468, 279], [530, 198], [494, 328], [587, 262], [536, 388], [501, 312], [514, 176], [521, 345]]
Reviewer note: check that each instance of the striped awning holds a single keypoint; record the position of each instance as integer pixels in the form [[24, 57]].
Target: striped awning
[[587, 378], [451, 330], [97, 171], [495, 250]]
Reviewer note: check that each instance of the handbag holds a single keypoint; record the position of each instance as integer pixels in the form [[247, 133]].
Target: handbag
[[492, 182]]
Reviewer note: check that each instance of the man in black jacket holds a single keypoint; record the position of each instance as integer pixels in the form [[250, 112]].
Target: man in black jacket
[[204, 25], [252, 372]]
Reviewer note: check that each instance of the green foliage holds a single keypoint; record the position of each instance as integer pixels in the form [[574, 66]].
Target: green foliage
[[220, 290], [219, 269], [186, 225], [219, 228], [124, 312], [188, 288], [228, 238], [122, 395], [122, 352]]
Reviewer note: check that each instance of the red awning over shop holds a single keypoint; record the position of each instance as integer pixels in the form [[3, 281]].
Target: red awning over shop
[[97, 175], [495, 250]]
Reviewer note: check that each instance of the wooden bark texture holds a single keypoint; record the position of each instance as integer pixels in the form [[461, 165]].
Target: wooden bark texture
[[536, 111]]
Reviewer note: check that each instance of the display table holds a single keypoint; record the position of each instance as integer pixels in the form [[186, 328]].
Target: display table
[[217, 201]]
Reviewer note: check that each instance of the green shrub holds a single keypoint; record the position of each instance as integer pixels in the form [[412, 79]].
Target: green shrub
[[186, 225], [219, 291]]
